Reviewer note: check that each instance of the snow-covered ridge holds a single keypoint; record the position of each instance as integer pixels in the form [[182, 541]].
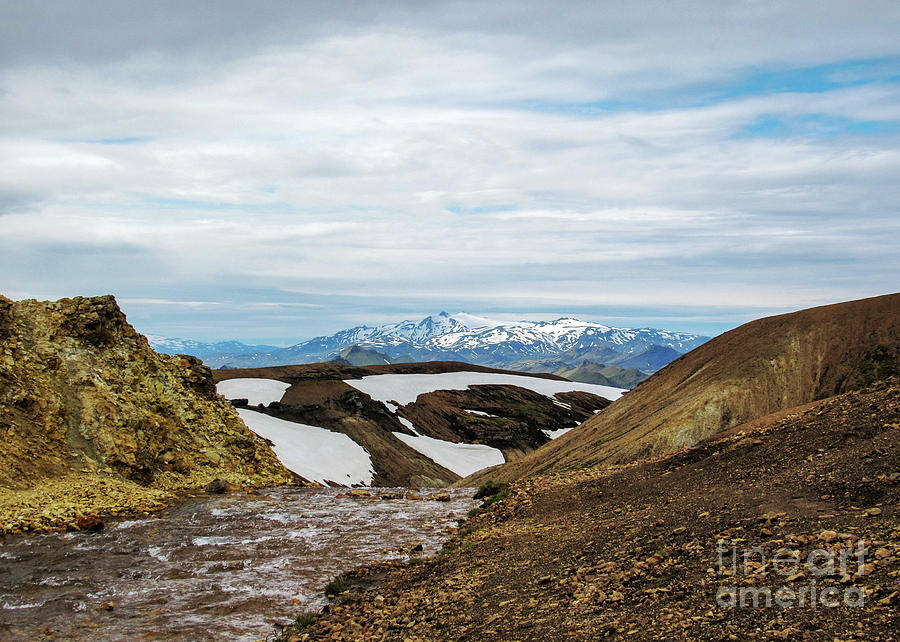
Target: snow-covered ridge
[[405, 388], [324, 456]]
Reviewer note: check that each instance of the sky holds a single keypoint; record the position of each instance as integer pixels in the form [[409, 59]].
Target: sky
[[274, 171]]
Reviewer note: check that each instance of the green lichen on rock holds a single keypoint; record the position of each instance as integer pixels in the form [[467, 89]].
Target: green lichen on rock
[[82, 393]]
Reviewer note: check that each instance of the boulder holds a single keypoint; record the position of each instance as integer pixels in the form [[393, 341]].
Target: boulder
[[89, 524], [221, 486]]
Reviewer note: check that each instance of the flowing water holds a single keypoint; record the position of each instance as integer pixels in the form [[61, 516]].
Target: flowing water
[[215, 567]]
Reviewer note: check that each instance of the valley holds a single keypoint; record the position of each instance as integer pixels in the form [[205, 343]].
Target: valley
[[606, 512], [633, 551], [449, 321]]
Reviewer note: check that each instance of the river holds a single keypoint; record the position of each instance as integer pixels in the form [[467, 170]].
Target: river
[[213, 567]]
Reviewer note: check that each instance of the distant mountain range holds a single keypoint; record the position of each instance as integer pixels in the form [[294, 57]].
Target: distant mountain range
[[205, 350], [531, 346]]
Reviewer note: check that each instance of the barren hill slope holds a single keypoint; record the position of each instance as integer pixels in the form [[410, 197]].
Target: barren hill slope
[[645, 550], [759, 368]]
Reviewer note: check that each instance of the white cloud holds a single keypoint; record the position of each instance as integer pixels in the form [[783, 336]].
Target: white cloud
[[418, 153]]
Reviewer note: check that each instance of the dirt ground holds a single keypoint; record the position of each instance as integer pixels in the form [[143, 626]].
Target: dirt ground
[[643, 551]]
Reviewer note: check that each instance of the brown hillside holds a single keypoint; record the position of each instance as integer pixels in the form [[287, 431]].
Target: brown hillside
[[759, 368]]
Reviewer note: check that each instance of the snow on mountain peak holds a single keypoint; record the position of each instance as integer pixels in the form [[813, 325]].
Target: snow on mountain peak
[[461, 337], [472, 322]]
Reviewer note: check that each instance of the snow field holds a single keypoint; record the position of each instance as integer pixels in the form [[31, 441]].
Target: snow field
[[313, 453], [462, 459], [255, 391], [405, 388]]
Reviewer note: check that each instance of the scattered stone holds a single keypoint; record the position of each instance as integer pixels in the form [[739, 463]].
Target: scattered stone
[[220, 486], [89, 524]]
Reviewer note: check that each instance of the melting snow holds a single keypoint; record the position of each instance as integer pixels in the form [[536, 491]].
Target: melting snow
[[313, 453], [406, 422], [405, 388], [462, 459], [255, 391], [478, 412], [553, 434]]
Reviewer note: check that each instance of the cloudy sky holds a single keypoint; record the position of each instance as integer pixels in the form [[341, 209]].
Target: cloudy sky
[[271, 171]]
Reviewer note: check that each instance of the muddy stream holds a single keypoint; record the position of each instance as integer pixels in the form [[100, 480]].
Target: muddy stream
[[215, 567]]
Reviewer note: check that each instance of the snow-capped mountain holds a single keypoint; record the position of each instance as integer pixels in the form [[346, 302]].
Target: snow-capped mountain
[[392, 334], [553, 337], [465, 337]]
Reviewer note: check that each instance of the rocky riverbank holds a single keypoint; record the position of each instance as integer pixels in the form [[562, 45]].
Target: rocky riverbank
[[76, 502]]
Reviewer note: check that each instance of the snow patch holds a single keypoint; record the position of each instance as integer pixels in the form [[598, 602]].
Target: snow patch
[[478, 412], [313, 453], [406, 422], [473, 322], [553, 434], [255, 391], [462, 459]]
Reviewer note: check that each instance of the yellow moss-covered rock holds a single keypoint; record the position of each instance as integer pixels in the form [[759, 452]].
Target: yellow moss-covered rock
[[80, 389]]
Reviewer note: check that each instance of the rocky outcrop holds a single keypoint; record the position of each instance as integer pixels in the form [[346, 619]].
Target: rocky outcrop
[[509, 418], [82, 393], [356, 356], [336, 406]]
